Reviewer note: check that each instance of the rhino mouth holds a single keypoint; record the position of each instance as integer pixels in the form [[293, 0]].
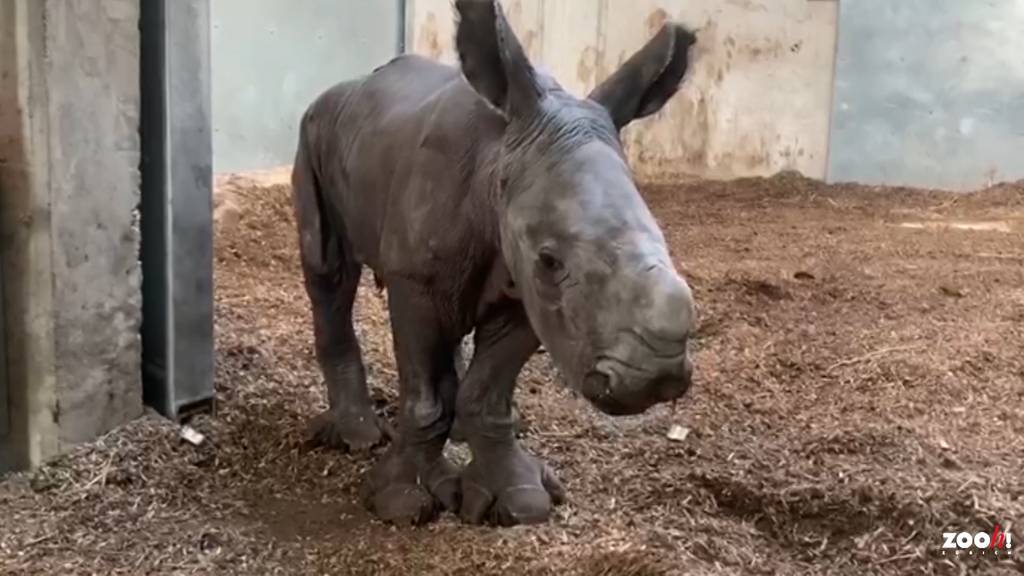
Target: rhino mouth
[[619, 388]]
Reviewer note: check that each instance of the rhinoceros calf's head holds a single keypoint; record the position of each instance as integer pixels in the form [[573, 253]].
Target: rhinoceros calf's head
[[587, 257]]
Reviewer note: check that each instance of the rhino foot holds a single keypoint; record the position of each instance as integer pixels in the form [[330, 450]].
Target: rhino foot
[[405, 488], [507, 487], [351, 430]]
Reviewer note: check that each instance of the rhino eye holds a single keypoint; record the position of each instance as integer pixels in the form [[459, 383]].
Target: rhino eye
[[549, 263]]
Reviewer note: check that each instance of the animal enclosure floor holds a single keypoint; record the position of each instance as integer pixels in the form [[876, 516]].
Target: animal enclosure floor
[[860, 390]]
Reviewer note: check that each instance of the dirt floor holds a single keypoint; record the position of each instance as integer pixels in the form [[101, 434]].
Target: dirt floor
[[860, 391]]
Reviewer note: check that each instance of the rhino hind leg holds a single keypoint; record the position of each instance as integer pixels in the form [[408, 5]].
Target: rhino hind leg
[[331, 274], [350, 422]]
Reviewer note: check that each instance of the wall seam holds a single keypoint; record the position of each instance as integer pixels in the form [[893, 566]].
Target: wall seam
[[602, 42], [831, 108]]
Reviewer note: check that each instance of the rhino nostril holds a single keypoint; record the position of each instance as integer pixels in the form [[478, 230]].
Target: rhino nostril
[[597, 384]]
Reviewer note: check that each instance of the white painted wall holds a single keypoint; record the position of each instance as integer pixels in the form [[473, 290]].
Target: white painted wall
[[757, 100]]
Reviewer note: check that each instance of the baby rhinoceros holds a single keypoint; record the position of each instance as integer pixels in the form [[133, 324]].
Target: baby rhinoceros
[[486, 199]]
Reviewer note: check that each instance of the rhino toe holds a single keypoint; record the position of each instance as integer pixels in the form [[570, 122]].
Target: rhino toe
[[509, 489], [405, 488], [355, 432], [403, 504]]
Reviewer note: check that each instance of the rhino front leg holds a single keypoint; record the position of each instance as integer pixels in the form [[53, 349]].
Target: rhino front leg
[[503, 484], [463, 354], [350, 422], [414, 480]]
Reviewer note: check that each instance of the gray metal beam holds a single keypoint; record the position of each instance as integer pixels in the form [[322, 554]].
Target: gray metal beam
[[4, 417], [177, 206]]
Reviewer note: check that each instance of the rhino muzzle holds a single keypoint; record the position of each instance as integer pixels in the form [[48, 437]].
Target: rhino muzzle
[[622, 388]]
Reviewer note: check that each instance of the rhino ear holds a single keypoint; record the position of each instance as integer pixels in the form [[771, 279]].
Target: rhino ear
[[492, 59], [649, 78]]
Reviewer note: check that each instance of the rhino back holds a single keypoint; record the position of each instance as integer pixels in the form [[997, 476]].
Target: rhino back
[[410, 150]]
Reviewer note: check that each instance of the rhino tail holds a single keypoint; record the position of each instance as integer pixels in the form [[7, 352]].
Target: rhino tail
[[318, 243]]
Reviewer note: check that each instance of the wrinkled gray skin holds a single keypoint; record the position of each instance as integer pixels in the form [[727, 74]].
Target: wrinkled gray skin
[[486, 199]]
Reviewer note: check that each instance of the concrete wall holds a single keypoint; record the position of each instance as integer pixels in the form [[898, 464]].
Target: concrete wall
[[757, 100], [25, 241], [915, 96], [271, 58], [929, 97], [69, 156]]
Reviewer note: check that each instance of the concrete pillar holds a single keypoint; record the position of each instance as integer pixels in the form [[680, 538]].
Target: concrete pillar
[[69, 229]]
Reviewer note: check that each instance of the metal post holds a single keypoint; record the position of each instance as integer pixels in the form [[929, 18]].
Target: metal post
[[5, 422], [177, 206], [403, 5]]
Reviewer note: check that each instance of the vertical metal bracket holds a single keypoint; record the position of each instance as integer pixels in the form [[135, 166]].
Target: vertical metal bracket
[[5, 421], [177, 206], [403, 38]]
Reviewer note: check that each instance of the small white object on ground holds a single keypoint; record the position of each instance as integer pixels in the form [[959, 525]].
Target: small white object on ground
[[678, 433], [459, 454], [192, 436]]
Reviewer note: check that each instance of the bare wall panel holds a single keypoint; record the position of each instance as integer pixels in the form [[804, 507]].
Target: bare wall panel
[[571, 43], [270, 59], [758, 95], [929, 93]]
